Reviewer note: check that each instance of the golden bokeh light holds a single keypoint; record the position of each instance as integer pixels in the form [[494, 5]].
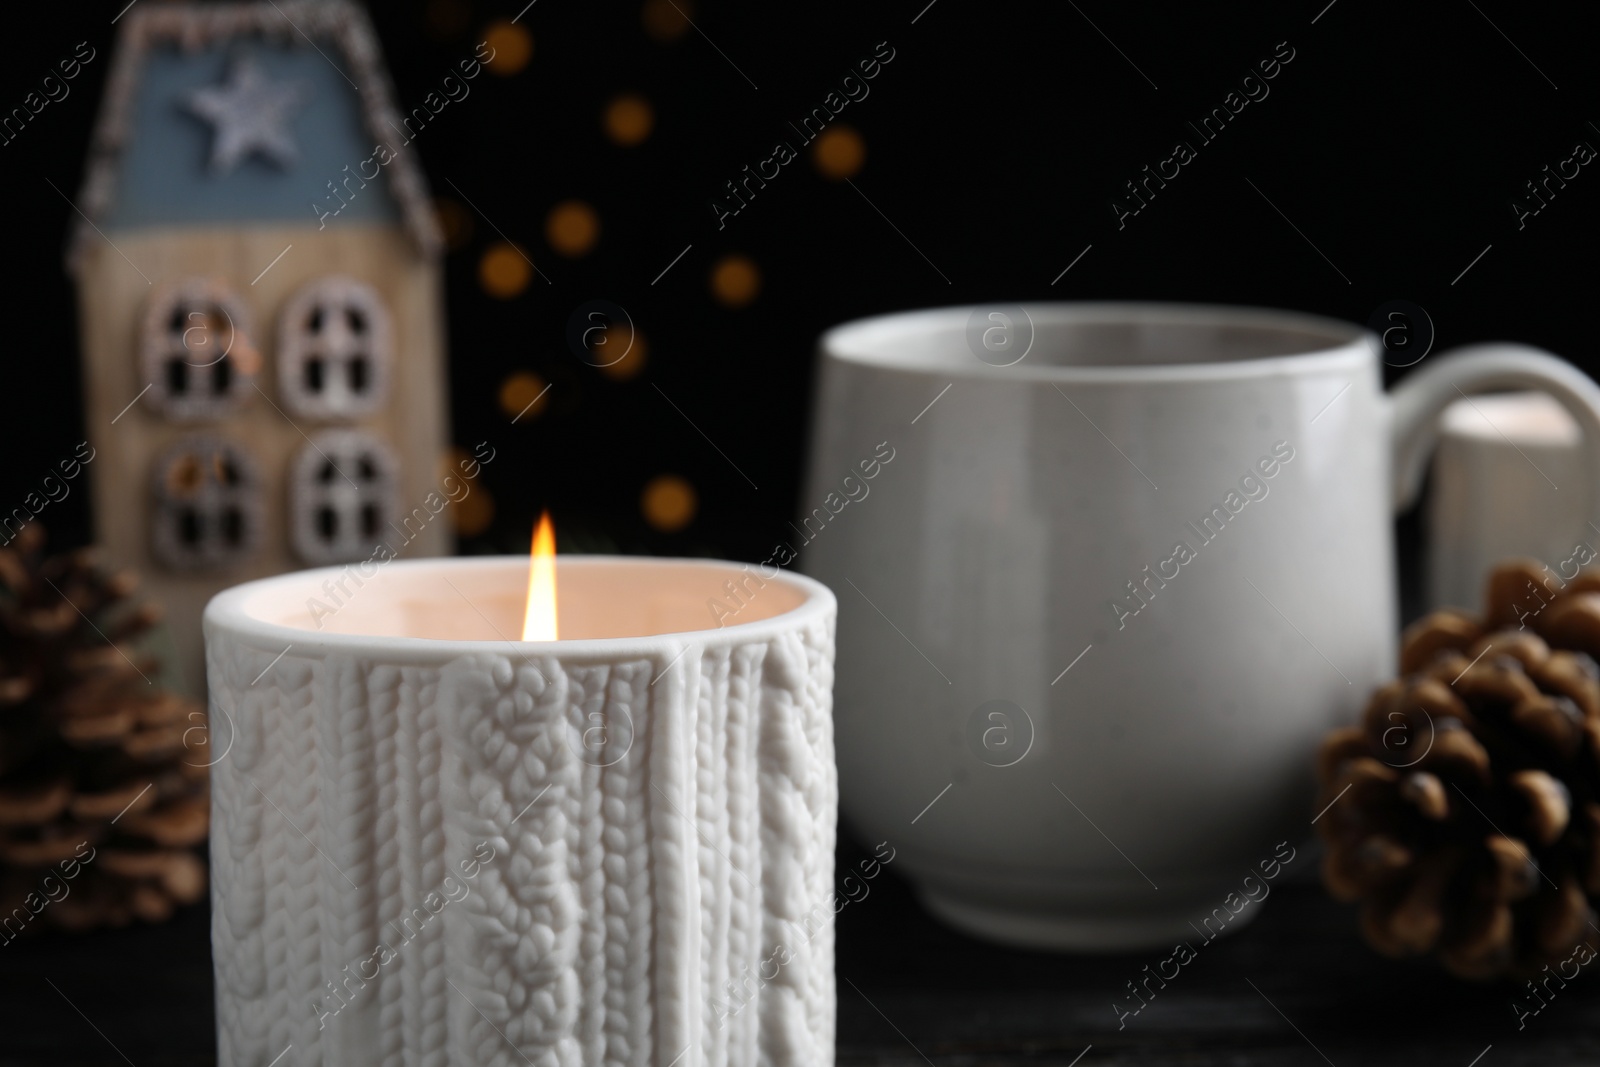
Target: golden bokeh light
[[668, 502], [473, 513], [504, 271], [628, 119], [511, 46], [522, 396], [665, 20], [735, 280], [629, 366], [572, 227], [839, 152], [450, 462]]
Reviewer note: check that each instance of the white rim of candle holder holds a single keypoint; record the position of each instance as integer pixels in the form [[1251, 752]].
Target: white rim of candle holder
[[226, 613]]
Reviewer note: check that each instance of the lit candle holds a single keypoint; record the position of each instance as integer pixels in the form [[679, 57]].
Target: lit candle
[[539, 619], [433, 841]]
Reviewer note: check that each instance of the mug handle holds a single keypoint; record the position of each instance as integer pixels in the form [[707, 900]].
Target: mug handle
[[1420, 397]]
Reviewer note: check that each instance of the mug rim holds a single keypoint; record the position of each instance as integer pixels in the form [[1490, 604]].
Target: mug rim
[[227, 613], [860, 342]]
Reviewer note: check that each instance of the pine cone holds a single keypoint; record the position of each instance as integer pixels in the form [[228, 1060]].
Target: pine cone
[[1464, 811], [103, 775]]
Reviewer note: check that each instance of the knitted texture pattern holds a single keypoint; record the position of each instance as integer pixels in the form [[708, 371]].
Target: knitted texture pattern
[[514, 860]]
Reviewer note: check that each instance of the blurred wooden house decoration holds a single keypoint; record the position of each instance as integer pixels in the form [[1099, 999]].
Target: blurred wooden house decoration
[[260, 303]]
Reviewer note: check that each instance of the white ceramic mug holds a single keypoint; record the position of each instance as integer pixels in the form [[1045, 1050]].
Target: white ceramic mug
[[1106, 574]]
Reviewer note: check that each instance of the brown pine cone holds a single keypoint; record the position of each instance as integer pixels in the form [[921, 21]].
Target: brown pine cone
[[1464, 810], [103, 774]]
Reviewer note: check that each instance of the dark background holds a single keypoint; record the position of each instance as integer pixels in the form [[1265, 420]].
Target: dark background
[[995, 140]]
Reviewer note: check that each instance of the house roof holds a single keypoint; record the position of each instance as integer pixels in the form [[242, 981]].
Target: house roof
[[155, 157]]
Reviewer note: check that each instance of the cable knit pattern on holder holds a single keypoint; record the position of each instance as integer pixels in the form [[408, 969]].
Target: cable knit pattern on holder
[[509, 860], [387, 688], [239, 849]]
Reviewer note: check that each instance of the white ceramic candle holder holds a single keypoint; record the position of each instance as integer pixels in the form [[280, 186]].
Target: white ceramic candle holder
[[432, 844], [1508, 480]]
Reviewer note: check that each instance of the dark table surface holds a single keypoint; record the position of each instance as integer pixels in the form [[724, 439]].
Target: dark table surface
[[1294, 987]]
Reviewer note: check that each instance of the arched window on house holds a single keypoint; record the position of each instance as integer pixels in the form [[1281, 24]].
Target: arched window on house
[[208, 507], [195, 350], [342, 487], [335, 348]]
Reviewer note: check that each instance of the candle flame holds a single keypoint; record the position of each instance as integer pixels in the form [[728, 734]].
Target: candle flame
[[539, 622]]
